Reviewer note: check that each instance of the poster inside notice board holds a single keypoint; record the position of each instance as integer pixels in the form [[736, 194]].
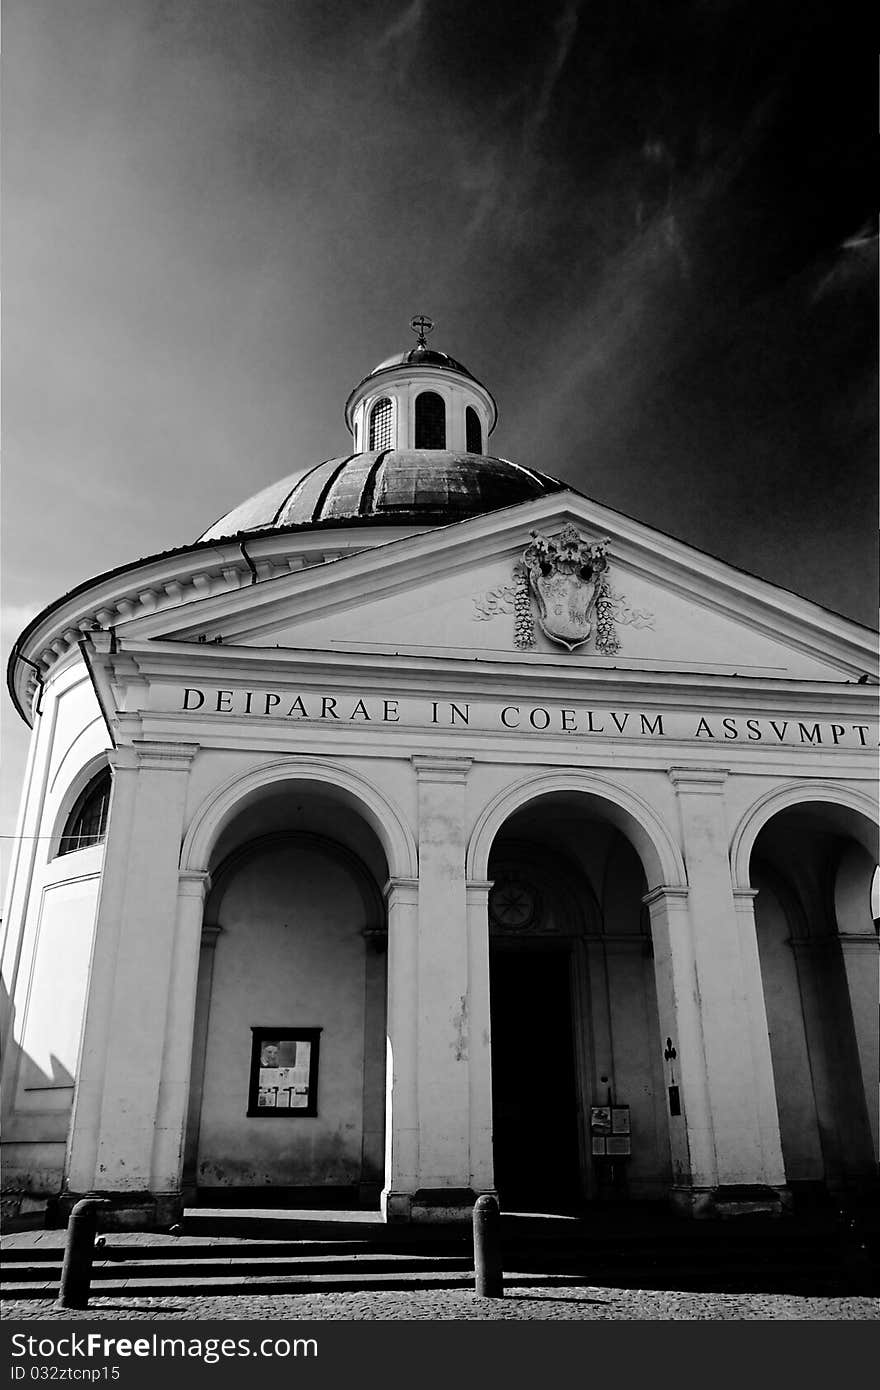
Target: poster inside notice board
[[610, 1133], [284, 1072]]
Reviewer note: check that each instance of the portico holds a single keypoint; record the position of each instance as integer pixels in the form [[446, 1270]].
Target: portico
[[521, 900]]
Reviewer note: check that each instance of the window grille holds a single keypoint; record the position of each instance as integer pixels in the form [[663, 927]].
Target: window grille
[[87, 823], [380, 425]]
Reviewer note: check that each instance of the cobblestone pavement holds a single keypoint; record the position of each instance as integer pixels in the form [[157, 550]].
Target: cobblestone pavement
[[568, 1303]]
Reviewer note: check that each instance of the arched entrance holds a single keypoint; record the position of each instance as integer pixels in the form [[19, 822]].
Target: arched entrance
[[287, 1094], [574, 1019], [812, 865]]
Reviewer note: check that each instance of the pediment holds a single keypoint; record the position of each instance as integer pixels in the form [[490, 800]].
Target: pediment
[[457, 591]]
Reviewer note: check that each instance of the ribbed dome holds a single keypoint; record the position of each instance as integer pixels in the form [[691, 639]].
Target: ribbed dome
[[423, 487]]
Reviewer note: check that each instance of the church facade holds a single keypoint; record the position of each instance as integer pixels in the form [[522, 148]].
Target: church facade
[[428, 829]]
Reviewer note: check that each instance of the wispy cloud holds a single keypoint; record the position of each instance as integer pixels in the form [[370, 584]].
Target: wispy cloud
[[503, 175], [403, 29], [565, 29]]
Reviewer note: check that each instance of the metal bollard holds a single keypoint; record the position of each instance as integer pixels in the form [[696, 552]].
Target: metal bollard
[[76, 1272], [488, 1276]]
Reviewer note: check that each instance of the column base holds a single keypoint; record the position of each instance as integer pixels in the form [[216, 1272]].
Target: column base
[[129, 1211], [431, 1204], [724, 1202]]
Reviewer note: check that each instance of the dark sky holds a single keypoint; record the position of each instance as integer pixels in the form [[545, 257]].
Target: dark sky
[[648, 227]]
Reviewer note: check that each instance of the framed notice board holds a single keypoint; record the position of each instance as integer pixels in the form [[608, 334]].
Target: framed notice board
[[284, 1072], [610, 1135]]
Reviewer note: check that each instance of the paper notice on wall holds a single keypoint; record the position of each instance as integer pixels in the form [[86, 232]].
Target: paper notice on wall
[[618, 1145]]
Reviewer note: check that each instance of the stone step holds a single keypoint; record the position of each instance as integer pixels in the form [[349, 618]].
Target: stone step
[[258, 1284], [142, 1268], [193, 1283], [668, 1268], [115, 1247], [187, 1249]]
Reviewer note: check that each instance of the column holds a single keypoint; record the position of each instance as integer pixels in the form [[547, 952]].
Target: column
[[373, 1089], [210, 933], [691, 1135], [444, 1023], [401, 1055], [482, 1168], [173, 1101], [859, 951], [739, 1073], [815, 980], [133, 995], [759, 1035]]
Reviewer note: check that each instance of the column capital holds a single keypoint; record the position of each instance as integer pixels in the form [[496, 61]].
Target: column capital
[[665, 894], [856, 940], [162, 755], [436, 769], [848, 941], [193, 883], [122, 759], [399, 891], [744, 898], [622, 942], [210, 932], [478, 888], [701, 780]]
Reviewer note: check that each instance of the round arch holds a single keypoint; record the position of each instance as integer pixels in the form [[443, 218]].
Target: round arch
[[221, 805], [79, 783], [73, 748], [858, 804], [660, 855], [373, 901]]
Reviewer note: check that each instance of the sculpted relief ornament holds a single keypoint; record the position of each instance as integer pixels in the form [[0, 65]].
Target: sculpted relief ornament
[[563, 580]]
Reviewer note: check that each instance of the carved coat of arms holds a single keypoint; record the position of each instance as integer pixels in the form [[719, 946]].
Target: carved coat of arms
[[566, 575], [566, 578]]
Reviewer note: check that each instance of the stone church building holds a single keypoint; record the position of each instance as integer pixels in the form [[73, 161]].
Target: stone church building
[[427, 829]]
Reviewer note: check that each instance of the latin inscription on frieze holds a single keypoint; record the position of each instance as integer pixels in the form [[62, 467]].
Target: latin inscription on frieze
[[351, 710]]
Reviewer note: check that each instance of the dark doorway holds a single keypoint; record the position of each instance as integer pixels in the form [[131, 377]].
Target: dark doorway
[[534, 1110]]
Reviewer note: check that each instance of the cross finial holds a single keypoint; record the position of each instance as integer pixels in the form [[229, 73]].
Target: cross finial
[[422, 325]]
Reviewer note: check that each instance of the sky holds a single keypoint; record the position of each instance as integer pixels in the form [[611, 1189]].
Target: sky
[[648, 228]]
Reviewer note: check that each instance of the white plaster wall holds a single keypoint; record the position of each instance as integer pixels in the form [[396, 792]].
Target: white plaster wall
[[289, 953], [49, 925], [52, 1020]]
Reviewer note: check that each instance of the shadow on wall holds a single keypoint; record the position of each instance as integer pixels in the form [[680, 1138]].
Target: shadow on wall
[[29, 1091]]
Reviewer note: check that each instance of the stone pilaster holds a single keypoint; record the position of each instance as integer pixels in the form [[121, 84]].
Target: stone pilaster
[[173, 1101], [444, 998], [401, 1059], [482, 1171], [859, 951], [724, 975], [124, 1055]]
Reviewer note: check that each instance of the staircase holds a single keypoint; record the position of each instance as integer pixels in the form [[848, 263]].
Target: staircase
[[224, 1252]]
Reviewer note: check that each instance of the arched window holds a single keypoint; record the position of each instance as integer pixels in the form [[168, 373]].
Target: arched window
[[430, 421], [380, 425], [473, 431], [87, 823]]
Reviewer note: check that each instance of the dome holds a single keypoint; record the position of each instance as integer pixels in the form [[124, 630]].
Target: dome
[[421, 357], [421, 487]]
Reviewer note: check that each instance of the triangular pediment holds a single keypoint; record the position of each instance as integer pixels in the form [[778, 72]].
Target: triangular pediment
[[454, 591]]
